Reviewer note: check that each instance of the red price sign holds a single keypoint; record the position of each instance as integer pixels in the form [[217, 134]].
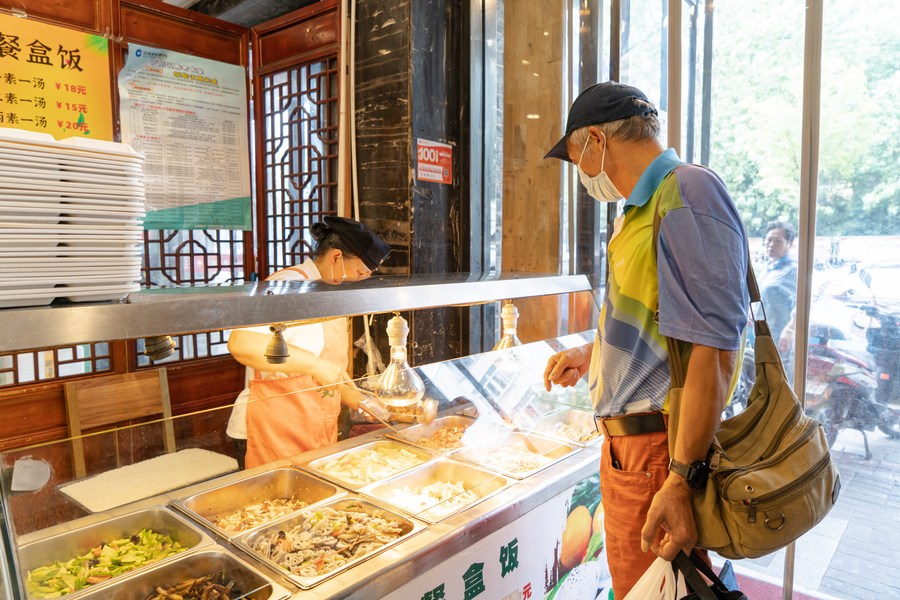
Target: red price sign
[[434, 161]]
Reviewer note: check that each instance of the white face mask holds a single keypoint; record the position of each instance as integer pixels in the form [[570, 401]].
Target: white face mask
[[599, 187]]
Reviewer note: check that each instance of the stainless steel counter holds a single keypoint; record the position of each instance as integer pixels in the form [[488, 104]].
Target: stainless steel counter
[[386, 572], [187, 310], [379, 575], [191, 309]]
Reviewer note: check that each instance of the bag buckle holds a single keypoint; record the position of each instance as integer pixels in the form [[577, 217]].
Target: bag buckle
[[770, 522]]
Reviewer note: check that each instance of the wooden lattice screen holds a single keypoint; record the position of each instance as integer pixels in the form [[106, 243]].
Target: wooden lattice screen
[[299, 157]]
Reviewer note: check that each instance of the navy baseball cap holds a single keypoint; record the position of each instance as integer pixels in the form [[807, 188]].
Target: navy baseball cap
[[601, 103], [359, 240]]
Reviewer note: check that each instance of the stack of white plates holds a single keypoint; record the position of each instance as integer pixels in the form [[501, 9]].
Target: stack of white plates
[[70, 219]]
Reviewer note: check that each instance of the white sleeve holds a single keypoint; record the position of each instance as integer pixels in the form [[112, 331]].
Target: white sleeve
[[308, 337]]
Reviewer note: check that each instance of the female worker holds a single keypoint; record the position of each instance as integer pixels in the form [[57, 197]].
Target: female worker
[[279, 413]]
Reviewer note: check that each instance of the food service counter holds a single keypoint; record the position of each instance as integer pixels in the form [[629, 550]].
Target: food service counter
[[516, 540], [456, 535], [429, 547]]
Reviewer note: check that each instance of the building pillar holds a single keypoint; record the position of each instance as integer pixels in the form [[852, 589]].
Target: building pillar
[[408, 74]]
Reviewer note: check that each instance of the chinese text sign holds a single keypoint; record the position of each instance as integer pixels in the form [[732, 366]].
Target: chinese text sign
[[54, 80]]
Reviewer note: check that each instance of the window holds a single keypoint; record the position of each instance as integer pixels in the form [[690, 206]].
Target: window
[[743, 66], [858, 231], [197, 257], [54, 363], [645, 55], [299, 159]]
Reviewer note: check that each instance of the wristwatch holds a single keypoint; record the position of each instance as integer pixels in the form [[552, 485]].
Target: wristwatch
[[695, 473]]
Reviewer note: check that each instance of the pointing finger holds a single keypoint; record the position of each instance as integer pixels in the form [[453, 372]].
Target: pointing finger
[[548, 371]]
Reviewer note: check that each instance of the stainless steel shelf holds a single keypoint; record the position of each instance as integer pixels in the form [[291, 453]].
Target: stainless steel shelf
[[181, 310]]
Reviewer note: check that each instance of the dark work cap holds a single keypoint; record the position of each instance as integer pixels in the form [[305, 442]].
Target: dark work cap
[[601, 103], [358, 239]]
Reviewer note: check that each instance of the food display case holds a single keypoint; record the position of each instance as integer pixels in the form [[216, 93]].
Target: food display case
[[368, 463], [443, 435], [516, 454], [290, 544], [235, 508], [228, 572], [104, 551], [438, 490], [574, 425], [459, 521]]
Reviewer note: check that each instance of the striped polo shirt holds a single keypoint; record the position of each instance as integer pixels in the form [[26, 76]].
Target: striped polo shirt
[[699, 284]]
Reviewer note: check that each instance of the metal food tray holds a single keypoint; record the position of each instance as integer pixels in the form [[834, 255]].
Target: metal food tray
[[409, 526], [248, 580], [483, 483], [316, 466], [416, 433], [283, 483], [70, 544], [583, 419], [553, 449]]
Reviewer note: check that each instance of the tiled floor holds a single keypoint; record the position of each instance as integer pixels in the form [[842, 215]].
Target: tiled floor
[[854, 554]]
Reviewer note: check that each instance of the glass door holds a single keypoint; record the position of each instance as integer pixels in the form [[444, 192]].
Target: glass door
[[742, 99], [854, 346]]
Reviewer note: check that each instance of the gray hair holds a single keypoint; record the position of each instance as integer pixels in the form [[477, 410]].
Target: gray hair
[[633, 129], [789, 232]]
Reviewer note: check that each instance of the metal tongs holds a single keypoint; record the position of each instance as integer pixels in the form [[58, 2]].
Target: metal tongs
[[429, 412], [372, 413]]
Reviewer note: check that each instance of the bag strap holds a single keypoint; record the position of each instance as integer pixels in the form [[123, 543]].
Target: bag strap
[[691, 569], [676, 363], [687, 567]]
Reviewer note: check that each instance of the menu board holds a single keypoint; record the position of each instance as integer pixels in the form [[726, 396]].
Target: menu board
[[188, 116], [54, 80]]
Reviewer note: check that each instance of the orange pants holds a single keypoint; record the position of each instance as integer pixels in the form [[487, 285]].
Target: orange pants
[[632, 469]]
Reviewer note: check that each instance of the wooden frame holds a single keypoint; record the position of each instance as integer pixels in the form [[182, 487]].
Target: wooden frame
[[100, 401]]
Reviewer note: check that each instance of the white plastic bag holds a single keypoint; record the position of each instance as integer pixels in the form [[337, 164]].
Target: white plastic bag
[[658, 583]]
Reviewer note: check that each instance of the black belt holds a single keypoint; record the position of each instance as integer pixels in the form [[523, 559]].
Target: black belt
[[630, 424]]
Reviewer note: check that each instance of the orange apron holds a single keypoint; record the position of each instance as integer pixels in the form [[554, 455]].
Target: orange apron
[[283, 421]]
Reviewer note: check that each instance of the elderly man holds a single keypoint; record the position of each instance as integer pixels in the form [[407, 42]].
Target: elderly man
[[691, 289]]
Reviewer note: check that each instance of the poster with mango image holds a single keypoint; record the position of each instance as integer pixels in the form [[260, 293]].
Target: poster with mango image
[[581, 571]]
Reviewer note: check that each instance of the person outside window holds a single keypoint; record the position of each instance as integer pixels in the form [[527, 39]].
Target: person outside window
[[778, 282], [698, 284], [279, 414]]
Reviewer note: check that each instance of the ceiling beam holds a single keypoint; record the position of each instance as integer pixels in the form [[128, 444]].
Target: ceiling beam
[[246, 13]]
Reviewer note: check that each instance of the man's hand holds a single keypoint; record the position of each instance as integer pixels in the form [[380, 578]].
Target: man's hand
[[567, 367], [671, 510]]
